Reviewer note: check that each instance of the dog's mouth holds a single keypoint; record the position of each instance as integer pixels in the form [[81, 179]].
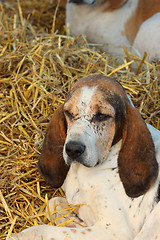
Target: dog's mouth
[[82, 161], [80, 2]]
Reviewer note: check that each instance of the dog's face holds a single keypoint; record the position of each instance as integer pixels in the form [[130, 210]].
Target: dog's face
[[90, 126]]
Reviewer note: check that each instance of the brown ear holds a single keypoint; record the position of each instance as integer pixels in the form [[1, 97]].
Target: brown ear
[[137, 164], [51, 163], [117, 3]]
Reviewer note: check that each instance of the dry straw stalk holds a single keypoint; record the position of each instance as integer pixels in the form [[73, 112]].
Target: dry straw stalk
[[39, 62]]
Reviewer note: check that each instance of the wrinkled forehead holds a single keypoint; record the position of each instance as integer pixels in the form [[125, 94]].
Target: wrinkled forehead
[[105, 84], [87, 98], [98, 88]]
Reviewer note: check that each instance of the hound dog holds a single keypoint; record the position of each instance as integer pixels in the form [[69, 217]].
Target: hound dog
[[114, 23], [109, 166]]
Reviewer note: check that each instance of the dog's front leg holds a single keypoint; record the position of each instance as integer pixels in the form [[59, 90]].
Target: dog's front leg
[[46, 232], [61, 211]]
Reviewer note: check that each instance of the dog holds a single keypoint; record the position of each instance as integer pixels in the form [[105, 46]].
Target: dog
[[115, 23], [105, 157]]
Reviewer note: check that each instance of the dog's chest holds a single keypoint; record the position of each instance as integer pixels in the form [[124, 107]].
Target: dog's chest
[[100, 26], [104, 198]]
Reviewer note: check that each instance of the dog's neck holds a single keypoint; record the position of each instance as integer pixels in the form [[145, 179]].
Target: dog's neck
[[111, 160], [109, 163]]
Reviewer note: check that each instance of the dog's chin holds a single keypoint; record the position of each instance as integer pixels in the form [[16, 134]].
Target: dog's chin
[[81, 161]]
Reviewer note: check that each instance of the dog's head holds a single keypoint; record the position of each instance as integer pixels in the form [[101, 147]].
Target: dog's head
[[95, 116]]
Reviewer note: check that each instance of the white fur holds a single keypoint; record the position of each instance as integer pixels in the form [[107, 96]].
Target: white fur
[[85, 98], [148, 37], [85, 190]]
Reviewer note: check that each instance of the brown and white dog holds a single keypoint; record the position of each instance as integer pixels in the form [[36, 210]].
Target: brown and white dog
[[114, 23], [107, 158]]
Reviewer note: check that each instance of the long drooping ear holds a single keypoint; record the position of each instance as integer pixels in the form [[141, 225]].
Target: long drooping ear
[[51, 163], [117, 3], [137, 164]]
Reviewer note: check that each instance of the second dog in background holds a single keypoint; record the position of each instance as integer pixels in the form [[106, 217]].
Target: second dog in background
[[114, 23]]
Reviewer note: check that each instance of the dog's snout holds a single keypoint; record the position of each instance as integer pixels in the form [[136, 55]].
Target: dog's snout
[[74, 149]]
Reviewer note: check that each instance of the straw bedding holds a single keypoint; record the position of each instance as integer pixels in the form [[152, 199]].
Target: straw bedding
[[39, 62]]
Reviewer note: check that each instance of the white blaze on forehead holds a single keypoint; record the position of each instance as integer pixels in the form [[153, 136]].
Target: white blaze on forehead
[[79, 128], [86, 98]]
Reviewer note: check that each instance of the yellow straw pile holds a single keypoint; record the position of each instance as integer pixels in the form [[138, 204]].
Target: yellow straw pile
[[39, 62]]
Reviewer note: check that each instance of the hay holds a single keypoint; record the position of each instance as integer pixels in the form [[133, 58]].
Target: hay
[[39, 62]]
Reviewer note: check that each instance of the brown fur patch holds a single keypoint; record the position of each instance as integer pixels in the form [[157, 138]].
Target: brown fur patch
[[73, 230], [145, 10], [111, 5], [116, 3], [89, 230], [51, 163], [138, 168]]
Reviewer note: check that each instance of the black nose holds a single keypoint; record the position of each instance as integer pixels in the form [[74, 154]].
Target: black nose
[[74, 149], [76, 1]]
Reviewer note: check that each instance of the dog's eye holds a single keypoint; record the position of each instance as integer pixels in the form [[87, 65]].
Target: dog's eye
[[68, 114], [99, 117]]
